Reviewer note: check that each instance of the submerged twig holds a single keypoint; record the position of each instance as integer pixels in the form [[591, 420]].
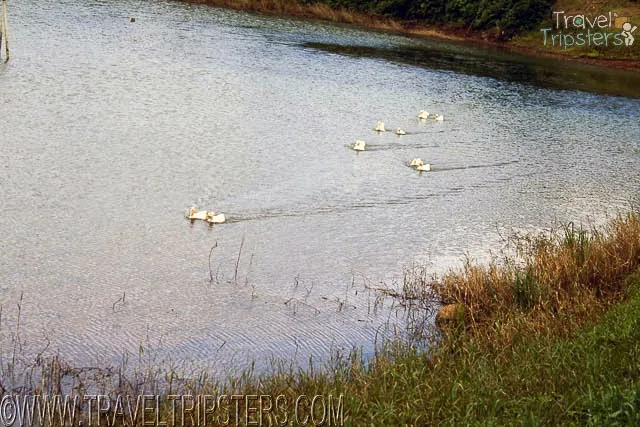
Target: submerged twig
[[121, 299], [16, 341], [215, 245], [235, 276], [296, 301]]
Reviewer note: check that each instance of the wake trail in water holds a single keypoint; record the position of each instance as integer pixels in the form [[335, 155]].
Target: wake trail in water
[[480, 166], [268, 214]]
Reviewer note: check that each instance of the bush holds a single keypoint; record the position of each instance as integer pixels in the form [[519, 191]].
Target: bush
[[507, 17]]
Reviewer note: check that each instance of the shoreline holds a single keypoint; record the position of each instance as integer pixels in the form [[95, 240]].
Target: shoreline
[[374, 22]]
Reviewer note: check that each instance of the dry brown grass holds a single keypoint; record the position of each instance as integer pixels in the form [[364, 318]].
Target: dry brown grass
[[549, 283], [315, 11]]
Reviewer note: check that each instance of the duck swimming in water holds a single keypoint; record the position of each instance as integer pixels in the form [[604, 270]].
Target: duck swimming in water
[[359, 145], [400, 132], [423, 114], [420, 165], [203, 215], [216, 219], [380, 126]]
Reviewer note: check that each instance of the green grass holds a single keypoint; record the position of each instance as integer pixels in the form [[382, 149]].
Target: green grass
[[590, 378]]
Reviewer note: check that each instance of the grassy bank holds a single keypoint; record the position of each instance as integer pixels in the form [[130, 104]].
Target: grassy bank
[[513, 25], [549, 333]]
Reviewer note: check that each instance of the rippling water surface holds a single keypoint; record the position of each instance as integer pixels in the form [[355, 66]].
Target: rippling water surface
[[110, 130]]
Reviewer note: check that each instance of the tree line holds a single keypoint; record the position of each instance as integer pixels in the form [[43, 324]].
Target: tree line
[[504, 18]]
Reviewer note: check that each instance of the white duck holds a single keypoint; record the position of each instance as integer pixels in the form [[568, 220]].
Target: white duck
[[400, 132], [439, 118], [424, 168], [380, 126], [416, 162], [203, 215], [216, 219], [359, 145], [423, 114]]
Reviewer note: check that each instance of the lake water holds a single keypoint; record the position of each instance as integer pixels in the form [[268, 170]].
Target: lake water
[[111, 130]]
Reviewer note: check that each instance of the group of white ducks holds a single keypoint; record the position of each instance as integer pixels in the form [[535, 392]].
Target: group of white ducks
[[208, 216], [416, 163], [425, 115]]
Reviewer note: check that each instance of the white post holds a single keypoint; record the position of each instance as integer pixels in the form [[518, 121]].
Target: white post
[[1, 30], [5, 27]]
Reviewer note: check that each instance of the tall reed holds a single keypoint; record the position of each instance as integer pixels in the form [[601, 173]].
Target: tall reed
[[563, 274]]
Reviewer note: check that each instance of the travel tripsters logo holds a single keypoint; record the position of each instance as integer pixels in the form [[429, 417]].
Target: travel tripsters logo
[[584, 30]]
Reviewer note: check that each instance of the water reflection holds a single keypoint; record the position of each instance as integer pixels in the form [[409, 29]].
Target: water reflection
[[500, 65]]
